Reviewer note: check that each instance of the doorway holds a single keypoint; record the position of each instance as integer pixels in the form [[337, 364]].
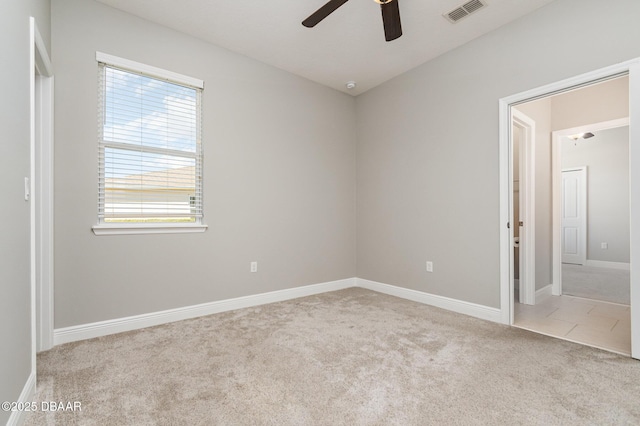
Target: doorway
[[599, 257], [545, 274], [591, 204]]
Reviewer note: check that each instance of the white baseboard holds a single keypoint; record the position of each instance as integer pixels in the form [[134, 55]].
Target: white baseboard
[[27, 395], [119, 325], [610, 265], [455, 305], [543, 293]]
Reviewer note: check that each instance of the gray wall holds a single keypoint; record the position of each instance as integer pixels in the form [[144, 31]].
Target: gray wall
[[606, 156], [15, 313], [279, 178], [428, 183]]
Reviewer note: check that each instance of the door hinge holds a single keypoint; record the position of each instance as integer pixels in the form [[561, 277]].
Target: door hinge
[[521, 223], [508, 225]]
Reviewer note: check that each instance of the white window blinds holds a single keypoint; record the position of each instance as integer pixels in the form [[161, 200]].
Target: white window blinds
[[150, 155]]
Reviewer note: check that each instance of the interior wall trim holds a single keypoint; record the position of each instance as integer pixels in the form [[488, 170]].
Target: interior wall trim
[[606, 264], [119, 325], [543, 293], [455, 305], [27, 396]]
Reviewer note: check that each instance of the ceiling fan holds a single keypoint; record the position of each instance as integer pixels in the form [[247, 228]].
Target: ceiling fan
[[390, 16]]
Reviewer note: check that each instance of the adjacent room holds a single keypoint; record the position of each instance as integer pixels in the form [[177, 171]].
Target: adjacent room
[[304, 212], [586, 132]]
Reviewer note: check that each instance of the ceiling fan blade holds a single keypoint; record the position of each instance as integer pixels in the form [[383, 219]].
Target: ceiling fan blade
[[391, 20], [322, 13]]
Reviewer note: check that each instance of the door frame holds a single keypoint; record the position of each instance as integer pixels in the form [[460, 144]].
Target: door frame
[[632, 68], [41, 193], [527, 193], [556, 182]]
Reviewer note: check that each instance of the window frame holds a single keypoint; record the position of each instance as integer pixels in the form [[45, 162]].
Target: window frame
[[123, 228]]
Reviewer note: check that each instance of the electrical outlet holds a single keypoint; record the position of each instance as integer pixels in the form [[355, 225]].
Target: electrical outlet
[[429, 266], [604, 246], [254, 266]]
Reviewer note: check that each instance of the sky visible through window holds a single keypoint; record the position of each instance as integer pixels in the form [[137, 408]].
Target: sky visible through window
[[143, 112]]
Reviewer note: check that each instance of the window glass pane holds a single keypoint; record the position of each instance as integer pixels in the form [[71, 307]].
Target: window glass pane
[[144, 111], [160, 188], [150, 156]]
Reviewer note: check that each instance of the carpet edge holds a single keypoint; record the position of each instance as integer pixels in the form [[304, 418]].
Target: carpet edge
[[454, 305], [136, 322]]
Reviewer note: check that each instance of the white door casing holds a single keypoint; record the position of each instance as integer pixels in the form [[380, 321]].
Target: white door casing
[[632, 68], [634, 203], [574, 216], [526, 225], [41, 189]]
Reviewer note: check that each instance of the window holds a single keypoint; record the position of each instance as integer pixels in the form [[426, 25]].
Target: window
[[150, 153]]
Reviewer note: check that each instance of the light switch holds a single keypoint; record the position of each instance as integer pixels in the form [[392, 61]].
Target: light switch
[[27, 189]]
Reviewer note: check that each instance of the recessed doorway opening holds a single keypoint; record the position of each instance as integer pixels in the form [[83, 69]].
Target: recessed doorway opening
[[563, 116]]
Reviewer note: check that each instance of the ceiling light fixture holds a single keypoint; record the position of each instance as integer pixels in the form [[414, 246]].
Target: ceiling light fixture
[[581, 136], [576, 136], [383, 1], [351, 85]]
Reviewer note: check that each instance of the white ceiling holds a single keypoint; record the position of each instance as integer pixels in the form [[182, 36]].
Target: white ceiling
[[347, 45]]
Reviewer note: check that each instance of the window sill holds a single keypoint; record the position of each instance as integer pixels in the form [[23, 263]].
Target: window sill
[[147, 228]]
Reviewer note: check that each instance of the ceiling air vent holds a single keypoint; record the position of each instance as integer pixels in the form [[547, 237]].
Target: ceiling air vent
[[466, 9]]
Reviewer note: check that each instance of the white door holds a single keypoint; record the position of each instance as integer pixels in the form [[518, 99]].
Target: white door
[[574, 216]]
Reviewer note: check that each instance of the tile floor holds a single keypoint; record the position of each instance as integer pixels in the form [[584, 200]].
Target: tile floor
[[603, 325]]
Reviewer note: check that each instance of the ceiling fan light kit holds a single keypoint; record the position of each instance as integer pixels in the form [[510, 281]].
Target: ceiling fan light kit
[[390, 16], [582, 136]]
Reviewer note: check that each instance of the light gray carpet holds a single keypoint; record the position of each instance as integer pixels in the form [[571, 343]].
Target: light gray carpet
[[609, 285], [351, 357]]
